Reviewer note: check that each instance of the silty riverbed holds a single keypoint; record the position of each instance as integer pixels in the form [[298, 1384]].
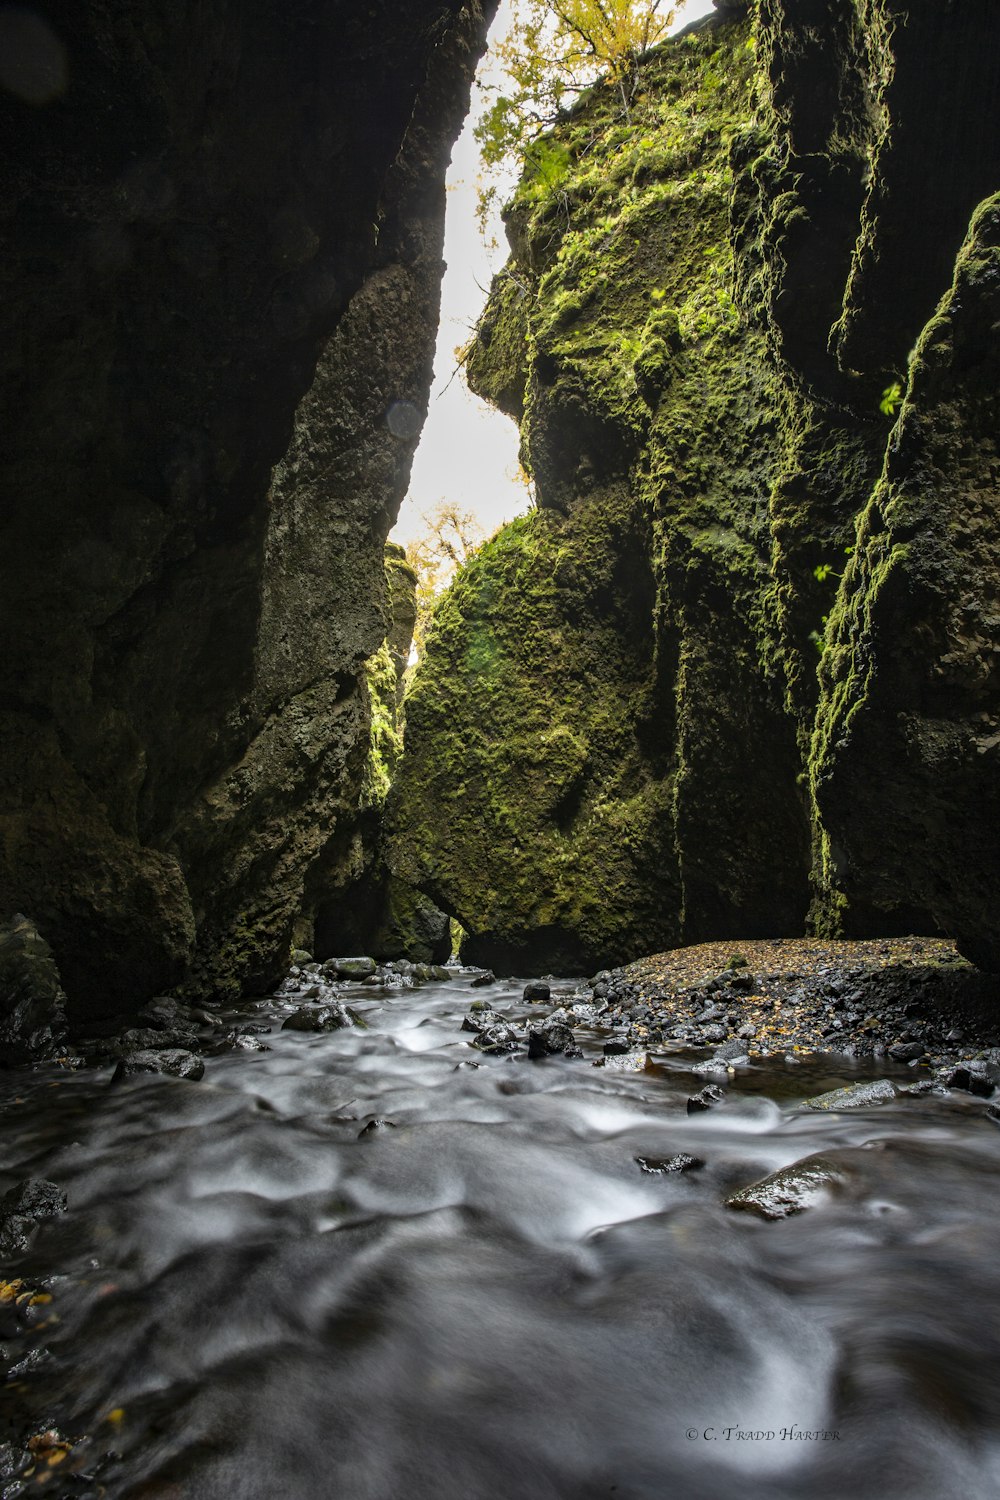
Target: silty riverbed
[[252, 1294]]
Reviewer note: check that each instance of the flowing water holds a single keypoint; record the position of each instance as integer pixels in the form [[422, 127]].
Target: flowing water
[[492, 1299]]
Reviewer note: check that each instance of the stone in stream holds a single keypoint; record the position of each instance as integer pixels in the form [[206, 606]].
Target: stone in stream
[[479, 1016], [706, 1098], [353, 968], [615, 1046], [375, 1125], [497, 1038], [791, 1190], [175, 1061], [907, 1051], [23, 1207], [146, 1038], [536, 991], [970, 1080], [661, 1164], [853, 1096], [731, 1052], [485, 976], [332, 1017], [550, 1039], [629, 1062]]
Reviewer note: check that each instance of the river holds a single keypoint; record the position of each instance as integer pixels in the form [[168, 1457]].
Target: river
[[488, 1298]]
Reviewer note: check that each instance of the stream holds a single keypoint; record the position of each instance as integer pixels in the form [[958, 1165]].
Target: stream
[[489, 1298]]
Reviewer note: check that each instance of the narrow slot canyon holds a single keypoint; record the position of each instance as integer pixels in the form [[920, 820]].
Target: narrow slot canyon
[[500, 761]]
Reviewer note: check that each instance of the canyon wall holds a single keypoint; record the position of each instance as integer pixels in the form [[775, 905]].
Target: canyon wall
[[738, 671], [220, 281]]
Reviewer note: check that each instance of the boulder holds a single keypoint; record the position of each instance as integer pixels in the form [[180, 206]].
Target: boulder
[[174, 1061], [32, 1003]]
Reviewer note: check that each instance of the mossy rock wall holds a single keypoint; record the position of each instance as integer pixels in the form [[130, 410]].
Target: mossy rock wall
[[612, 741]]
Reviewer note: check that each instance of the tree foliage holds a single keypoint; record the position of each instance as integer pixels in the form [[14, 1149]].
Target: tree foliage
[[553, 50], [450, 537]]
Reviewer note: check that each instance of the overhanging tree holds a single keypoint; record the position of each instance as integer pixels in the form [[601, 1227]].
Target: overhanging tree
[[552, 52]]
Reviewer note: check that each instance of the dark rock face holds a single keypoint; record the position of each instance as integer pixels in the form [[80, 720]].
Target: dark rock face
[[739, 670], [225, 258], [32, 1004]]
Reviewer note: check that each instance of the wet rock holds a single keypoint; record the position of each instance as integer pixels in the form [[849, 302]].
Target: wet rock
[[376, 1125], [485, 976], [34, 1198], [907, 1051], [536, 991], [241, 1041], [854, 1096], [970, 1081], [23, 1209], [551, 1038], [715, 1069], [631, 1062], [354, 968], [714, 1033], [301, 956], [661, 1164], [479, 1016], [143, 1038], [496, 1039], [175, 1061], [321, 1018], [32, 1003], [790, 1191], [615, 1046], [707, 1098]]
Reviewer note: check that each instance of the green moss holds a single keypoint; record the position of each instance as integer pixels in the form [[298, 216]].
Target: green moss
[[385, 739]]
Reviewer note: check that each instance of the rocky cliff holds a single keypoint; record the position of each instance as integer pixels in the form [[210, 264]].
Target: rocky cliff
[[739, 670], [219, 292]]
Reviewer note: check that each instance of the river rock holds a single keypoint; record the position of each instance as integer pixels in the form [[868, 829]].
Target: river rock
[[970, 1080], [551, 1038], [374, 1126], [144, 1038], [22, 1208], [536, 991], [497, 1038], [32, 1003], [662, 1164], [333, 1017], [853, 1096], [354, 968], [485, 976], [627, 1062], [791, 1190], [706, 1098], [176, 1061], [479, 1016], [907, 1051]]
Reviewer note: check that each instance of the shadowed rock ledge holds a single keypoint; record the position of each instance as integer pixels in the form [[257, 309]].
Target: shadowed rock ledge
[[222, 255]]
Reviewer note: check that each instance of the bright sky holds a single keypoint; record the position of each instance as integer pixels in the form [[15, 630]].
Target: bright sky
[[468, 450]]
